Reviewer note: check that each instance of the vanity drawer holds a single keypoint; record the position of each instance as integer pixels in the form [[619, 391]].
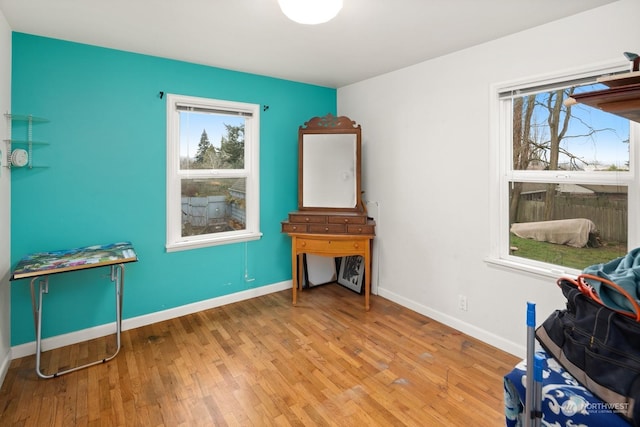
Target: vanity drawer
[[323, 222], [308, 219], [347, 219], [327, 228], [288, 227], [329, 245], [360, 229]]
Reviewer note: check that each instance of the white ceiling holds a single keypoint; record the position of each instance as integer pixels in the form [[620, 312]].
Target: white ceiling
[[367, 38]]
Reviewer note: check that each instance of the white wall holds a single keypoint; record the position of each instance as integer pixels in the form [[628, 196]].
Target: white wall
[[426, 139], [5, 198]]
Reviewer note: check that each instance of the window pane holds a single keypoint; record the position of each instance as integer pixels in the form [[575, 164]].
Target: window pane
[[211, 141], [547, 135], [213, 205], [568, 224]]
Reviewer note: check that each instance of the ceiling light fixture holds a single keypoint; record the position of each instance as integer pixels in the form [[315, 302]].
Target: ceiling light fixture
[[310, 12]]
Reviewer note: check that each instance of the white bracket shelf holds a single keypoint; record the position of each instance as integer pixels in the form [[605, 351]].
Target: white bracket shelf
[[21, 156]]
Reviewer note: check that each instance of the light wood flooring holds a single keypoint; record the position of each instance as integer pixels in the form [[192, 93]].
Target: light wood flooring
[[263, 362]]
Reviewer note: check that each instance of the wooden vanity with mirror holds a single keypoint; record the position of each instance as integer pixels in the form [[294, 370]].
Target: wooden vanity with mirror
[[331, 219]]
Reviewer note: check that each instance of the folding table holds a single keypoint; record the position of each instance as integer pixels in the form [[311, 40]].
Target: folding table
[[40, 265]]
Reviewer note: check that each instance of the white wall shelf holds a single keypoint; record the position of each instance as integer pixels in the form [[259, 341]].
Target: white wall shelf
[[26, 145]]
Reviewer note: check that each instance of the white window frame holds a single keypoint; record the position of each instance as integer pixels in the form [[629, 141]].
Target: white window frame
[[251, 172], [501, 171]]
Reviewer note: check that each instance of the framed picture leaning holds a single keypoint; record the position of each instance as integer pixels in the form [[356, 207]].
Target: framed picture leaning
[[351, 272]]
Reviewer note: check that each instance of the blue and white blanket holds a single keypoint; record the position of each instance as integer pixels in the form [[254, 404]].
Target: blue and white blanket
[[565, 403]]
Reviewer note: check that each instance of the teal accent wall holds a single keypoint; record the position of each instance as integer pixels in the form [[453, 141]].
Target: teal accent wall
[[105, 179]]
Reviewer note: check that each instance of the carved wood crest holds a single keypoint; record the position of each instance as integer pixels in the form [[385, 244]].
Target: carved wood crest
[[330, 122]]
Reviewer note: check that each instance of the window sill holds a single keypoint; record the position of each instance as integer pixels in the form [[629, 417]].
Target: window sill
[[197, 244], [537, 271]]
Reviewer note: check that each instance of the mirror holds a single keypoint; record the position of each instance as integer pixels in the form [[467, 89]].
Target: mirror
[[329, 164]]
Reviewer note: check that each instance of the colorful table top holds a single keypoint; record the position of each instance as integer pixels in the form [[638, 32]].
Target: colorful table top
[[44, 263]]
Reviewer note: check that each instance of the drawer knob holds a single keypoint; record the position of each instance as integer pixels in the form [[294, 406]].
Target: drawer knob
[[307, 219], [303, 243], [326, 229], [295, 227], [346, 220], [356, 245], [359, 229]]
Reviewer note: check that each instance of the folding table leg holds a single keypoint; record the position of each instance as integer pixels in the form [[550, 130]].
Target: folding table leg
[[117, 277]]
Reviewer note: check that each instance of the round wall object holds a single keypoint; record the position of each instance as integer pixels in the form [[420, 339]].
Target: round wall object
[[19, 157]]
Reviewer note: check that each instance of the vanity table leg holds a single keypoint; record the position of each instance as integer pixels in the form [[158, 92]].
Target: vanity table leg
[[300, 271], [367, 275], [294, 269]]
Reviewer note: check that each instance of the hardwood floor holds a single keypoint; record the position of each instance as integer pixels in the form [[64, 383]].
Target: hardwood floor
[[263, 362]]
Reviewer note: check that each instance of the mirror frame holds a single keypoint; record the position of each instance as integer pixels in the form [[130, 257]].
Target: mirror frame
[[330, 125]]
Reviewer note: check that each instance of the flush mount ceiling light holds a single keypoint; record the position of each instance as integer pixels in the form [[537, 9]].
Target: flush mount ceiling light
[[310, 12]]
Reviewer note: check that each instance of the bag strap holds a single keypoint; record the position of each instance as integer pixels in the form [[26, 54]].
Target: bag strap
[[584, 288], [588, 290]]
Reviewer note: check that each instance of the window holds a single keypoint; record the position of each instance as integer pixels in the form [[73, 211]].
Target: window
[[212, 172], [566, 178]]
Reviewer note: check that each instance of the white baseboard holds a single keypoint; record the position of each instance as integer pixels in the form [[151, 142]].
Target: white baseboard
[[467, 328], [28, 349], [4, 366]]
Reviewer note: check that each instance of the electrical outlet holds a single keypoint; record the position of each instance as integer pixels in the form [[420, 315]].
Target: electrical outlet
[[462, 303]]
